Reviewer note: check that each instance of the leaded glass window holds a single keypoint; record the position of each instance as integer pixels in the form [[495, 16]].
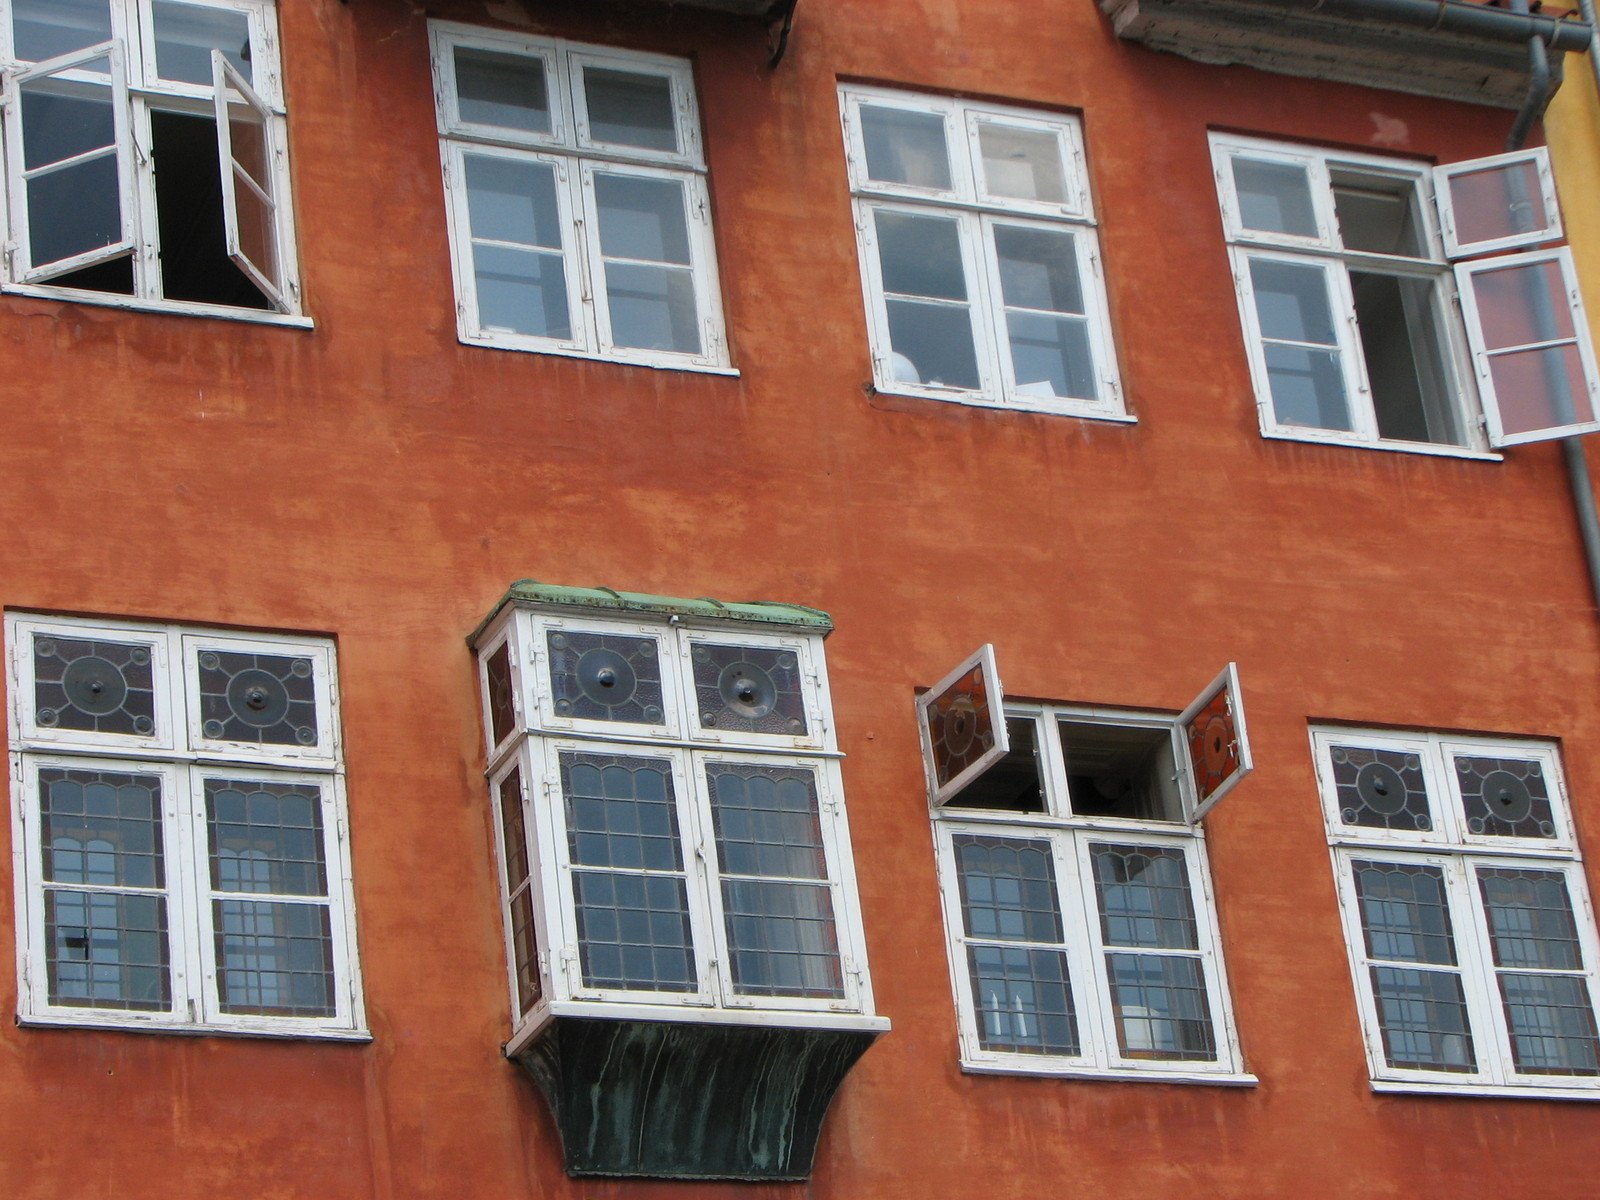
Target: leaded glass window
[[206, 884]]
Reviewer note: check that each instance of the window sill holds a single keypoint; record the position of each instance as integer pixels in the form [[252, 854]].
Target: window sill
[[1090, 1075], [1013, 405], [180, 308], [684, 1014], [485, 342], [1334, 439], [1499, 1091], [122, 1024]]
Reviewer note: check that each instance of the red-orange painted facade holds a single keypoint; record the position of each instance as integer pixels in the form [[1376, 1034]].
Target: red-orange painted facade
[[374, 480]]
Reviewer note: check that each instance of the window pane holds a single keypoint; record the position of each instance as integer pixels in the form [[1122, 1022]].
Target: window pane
[[1022, 164], [621, 812], [524, 934], [1540, 389], [1050, 356], [1274, 197], [266, 837], [605, 677], [1292, 302], [1008, 889], [1522, 305], [1552, 1024], [1423, 1018], [1404, 913], [1144, 897], [1498, 202], [781, 939], [932, 344], [921, 256], [1530, 919], [104, 950], [94, 686], [186, 34], [905, 147], [1380, 789], [1378, 217], [653, 308], [1016, 782], [75, 209], [43, 29], [521, 291], [502, 701], [633, 932], [642, 219], [512, 200], [265, 699], [1023, 1000], [1307, 387], [274, 958], [1162, 1008], [1307, 379], [1404, 350], [1038, 269], [627, 108], [505, 90], [101, 828], [1505, 797], [749, 689], [767, 822]]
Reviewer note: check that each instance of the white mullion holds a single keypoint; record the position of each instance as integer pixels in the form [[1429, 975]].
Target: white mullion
[[703, 866], [596, 297], [1352, 353], [204, 995], [147, 277], [1086, 950], [1480, 980]]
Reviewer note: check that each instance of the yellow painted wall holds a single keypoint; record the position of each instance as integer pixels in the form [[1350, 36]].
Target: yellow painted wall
[[1572, 127]]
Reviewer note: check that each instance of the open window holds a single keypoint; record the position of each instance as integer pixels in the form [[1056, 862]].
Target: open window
[[963, 727], [248, 157]]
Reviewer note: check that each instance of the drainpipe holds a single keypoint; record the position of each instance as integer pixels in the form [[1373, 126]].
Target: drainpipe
[[1539, 93]]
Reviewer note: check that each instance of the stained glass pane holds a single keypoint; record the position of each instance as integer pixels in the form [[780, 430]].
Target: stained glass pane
[[1530, 919], [1505, 797], [107, 950], [1161, 1005], [962, 724], [1423, 1018], [1144, 897], [1023, 1000], [264, 699], [1008, 889], [266, 837], [524, 935], [1552, 1024], [101, 828], [633, 932], [606, 677], [1381, 789], [621, 812], [1404, 913], [93, 685], [749, 689], [274, 958], [1213, 736], [502, 703]]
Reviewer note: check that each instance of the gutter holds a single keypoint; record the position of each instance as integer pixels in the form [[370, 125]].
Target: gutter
[[1516, 24]]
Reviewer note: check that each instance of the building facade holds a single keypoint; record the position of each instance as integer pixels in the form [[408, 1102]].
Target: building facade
[[504, 499]]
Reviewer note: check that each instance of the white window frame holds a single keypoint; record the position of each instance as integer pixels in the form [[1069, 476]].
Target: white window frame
[[533, 752], [1070, 838], [976, 213], [138, 91], [183, 762], [575, 157], [1454, 850]]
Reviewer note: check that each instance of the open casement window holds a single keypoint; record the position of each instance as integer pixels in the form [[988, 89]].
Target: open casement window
[[579, 210], [250, 208], [97, 93], [69, 159], [966, 735], [1471, 933], [182, 857], [1082, 937], [677, 876]]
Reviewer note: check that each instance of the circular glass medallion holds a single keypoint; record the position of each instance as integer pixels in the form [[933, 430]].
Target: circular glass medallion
[[1382, 790], [1507, 796], [258, 698], [94, 685], [606, 677], [747, 690]]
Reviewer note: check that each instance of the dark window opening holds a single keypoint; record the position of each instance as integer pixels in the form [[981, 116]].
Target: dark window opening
[[115, 276], [1014, 783], [1121, 771], [1400, 339]]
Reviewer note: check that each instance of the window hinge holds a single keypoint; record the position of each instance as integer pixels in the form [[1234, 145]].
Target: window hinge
[[193, 1018], [343, 829], [350, 987]]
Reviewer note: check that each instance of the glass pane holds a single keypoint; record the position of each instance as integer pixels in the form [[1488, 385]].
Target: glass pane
[[1423, 1018], [186, 34], [1144, 897], [1552, 1024], [621, 812], [1162, 1008], [1377, 217], [504, 90], [653, 308], [920, 256], [605, 677], [265, 837], [101, 828], [1498, 202], [1038, 269], [44, 29], [1016, 782], [1008, 889], [1380, 789], [1404, 350], [521, 291], [1022, 164], [932, 344], [633, 932], [1530, 919], [767, 822], [264, 699], [1540, 389], [781, 938], [1274, 197], [257, 225], [513, 200], [1292, 302], [274, 958], [1404, 914], [93, 685], [74, 211], [62, 121], [514, 831], [642, 219], [1505, 797], [962, 724], [1023, 1000], [1307, 387], [1052, 356], [627, 108], [502, 700], [1522, 305], [104, 950], [905, 147], [525, 949], [524, 935], [748, 689]]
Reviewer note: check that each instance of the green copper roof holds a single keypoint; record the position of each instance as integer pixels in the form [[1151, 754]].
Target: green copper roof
[[530, 592]]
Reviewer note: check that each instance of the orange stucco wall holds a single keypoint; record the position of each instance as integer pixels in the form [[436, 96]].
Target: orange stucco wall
[[374, 480]]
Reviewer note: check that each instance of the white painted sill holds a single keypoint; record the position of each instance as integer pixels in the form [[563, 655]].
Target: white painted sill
[[1498, 1091], [489, 342], [182, 308], [767, 1018], [122, 1024], [1017, 405], [1116, 1075], [1428, 448]]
